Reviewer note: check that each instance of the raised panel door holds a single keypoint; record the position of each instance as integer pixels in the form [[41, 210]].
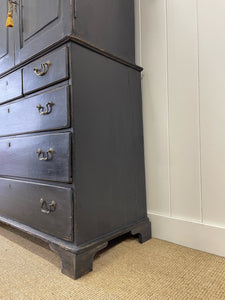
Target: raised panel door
[[46, 13], [41, 24], [6, 38]]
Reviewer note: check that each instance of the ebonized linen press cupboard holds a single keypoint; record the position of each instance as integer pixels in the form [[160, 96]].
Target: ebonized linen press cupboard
[[71, 136]]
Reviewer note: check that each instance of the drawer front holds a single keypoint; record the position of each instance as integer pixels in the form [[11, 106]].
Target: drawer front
[[46, 111], [11, 86], [46, 70], [45, 157], [43, 207]]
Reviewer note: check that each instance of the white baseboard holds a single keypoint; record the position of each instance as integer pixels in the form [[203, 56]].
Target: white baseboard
[[194, 235]]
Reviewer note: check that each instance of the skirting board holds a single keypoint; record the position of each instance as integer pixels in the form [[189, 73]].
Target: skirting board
[[194, 235]]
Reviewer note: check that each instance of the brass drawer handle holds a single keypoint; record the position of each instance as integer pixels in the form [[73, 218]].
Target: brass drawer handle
[[43, 70], [47, 208], [45, 156], [48, 108]]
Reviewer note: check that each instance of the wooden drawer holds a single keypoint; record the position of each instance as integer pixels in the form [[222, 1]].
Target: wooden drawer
[[21, 201], [11, 86], [46, 157], [46, 111], [45, 71]]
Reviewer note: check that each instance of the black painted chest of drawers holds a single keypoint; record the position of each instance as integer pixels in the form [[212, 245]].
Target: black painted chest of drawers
[[71, 139]]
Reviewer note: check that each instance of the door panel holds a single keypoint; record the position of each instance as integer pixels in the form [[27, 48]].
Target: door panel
[[41, 24], [46, 13], [3, 31], [6, 38]]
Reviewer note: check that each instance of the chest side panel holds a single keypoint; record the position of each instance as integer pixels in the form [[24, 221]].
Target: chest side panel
[[108, 24]]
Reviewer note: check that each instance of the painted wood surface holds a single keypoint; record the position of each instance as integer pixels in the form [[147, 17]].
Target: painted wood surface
[[183, 109], [56, 71], [155, 104], [212, 75], [18, 154], [11, 86], [181, 45], [7, 39], [44, 111], [20, 201]]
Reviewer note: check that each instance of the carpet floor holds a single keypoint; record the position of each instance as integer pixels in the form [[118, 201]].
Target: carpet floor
[[126, 270]]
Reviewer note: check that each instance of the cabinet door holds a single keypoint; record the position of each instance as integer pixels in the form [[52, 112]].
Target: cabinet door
[[41, 23], [6, 38]]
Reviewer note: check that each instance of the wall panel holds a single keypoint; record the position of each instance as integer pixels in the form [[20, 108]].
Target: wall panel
[[183, 109], [212, 83], [155, 104], [181, 45]]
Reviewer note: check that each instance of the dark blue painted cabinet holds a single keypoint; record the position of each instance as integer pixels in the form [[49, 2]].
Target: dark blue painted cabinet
[[7, 40], [107, 24], [71, 136]]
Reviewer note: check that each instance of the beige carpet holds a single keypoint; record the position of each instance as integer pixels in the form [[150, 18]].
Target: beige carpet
[[126, 270]]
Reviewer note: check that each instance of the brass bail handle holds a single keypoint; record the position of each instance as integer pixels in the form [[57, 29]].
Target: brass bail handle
[[48, 110], [43, 70], [43, 156], [47, 208]]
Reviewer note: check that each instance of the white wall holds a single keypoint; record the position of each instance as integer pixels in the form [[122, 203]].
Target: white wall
[[181, 45]]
